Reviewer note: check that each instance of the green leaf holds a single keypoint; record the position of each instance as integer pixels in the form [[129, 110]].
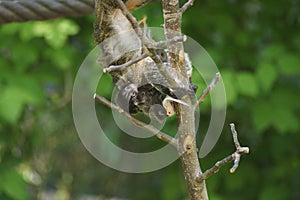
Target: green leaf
[[13, 185], [266, 75], [247, 84], [229, 81], [61, 57], [287, 97], [15, 96], [24, 55], [261, 116], [289, 64], [9, 29], [272, 53], [284, 120], [268, 113], [55, 32], [61, 30], [11, 104]]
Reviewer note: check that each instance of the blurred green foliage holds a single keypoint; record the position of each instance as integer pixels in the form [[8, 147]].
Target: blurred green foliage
[[255, 45]]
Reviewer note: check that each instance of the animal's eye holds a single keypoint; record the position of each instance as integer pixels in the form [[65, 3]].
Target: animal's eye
[[163, 55]]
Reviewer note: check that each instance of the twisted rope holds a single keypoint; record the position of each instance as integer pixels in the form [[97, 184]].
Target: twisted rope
[[28, 10]]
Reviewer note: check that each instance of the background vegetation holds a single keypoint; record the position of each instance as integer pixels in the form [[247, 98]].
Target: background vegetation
[[255, 45]]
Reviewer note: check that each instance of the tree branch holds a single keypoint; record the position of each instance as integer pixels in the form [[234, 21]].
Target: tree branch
[[185, 114], [163, 136], [186, 142], [235, 157], [186, 6], [207, 90]]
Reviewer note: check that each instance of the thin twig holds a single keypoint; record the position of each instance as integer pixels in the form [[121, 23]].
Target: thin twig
[[186, 6], [207, 90], [125, 65], [215, 168], [235, 157], [234, 135], [163, 136]]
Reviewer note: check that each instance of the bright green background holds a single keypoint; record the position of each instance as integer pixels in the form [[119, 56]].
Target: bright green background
[[256, 46]]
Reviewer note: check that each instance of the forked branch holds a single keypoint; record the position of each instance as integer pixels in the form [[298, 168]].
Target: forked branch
[[235, 157]]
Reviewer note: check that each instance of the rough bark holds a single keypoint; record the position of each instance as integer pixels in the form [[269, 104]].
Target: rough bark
[[186, 139]]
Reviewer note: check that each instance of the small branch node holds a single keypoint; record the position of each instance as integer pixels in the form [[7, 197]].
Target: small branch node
[[243, 150], [218, 163], [184, 38]]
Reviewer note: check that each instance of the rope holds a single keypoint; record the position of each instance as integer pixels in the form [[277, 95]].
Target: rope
[[28, 10]]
